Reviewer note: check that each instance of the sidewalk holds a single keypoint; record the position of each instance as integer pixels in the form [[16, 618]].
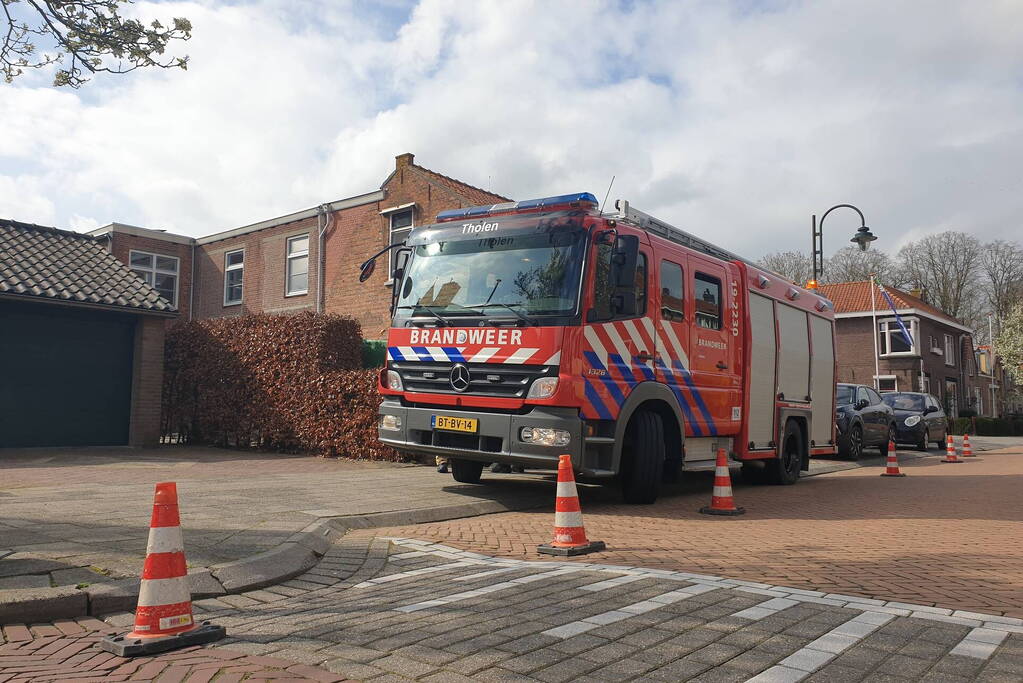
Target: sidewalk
[[80, 517]]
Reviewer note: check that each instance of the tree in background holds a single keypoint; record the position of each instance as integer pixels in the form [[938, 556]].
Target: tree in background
[[947, 267], [1002, 263], [1009, 342], [850, 264], [87, 36], [793, 265]]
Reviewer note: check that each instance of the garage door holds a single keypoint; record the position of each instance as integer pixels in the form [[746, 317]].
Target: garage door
[[65, 376]]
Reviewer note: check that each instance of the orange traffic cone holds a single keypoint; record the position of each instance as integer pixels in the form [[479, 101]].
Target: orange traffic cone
[[950, 451], [721, 502], [163, 619], [569, 534], [893, 463], [967, 448]]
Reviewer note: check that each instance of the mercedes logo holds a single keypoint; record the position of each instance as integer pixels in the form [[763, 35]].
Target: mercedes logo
[[459, 377]]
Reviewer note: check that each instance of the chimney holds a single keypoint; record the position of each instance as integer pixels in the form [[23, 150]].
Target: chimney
[[403, 160], [918, 292]]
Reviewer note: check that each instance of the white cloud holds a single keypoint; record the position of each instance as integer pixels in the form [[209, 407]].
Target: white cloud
[[735, 122]]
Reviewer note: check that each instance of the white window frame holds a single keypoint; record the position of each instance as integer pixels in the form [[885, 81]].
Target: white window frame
[[290, 258], [399, 211], [153, 270], [950, 354], [237, 266], [887, 328], [877, 382]]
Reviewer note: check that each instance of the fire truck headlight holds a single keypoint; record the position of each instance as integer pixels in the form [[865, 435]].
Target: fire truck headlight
[[542, 436], [912, 420], [543, 388], [393, 381], [390, 423]]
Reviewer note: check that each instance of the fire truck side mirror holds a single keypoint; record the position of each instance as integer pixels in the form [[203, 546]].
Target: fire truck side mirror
[[624, 304], [623, 262], [366, 270]]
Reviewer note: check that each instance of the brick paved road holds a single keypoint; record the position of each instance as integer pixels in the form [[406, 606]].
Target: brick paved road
[[945, 534], [67, 651], [380, 611]]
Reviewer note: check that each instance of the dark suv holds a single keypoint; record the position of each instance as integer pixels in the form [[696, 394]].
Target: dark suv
[[863, 420]]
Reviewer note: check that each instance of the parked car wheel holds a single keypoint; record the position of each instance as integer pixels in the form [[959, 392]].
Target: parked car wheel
[[922, 445], [643, 464], [466, 471], [883, 446], [855, 442]]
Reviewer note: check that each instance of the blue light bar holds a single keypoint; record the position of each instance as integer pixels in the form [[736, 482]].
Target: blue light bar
[[476, 211]]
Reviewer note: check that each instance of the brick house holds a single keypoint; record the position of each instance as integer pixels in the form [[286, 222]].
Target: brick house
[[995, 391], [81, 354], [941, 360], [304, 261]]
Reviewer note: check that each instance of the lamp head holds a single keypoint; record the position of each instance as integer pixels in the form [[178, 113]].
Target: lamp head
[[863, 238]]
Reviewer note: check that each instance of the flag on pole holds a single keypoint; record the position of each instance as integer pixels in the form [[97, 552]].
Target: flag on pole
[[898, 318]]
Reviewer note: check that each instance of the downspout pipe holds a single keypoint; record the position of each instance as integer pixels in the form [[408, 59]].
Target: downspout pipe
[[324, 221]]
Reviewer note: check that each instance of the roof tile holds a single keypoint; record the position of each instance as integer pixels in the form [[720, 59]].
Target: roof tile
[[475, 195], [854, 297], [47, 263]]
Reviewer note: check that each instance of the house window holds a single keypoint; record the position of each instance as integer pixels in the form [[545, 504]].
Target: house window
[[298, 265], [950, 350], [672, 298], [401, 226], [707, 295], [887, 383], [926, 388], [159, 271], [892, 342], [234, 270]]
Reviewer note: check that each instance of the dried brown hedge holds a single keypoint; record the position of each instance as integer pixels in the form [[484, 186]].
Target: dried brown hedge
[[291, 383]]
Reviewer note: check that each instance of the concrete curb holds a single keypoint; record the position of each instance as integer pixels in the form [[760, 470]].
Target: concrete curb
[[299, 553]]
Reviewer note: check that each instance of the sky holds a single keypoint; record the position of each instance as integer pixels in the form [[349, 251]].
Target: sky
[[733, 120]]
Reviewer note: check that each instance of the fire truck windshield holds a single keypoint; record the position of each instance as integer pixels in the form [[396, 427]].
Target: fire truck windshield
[[528, 275]]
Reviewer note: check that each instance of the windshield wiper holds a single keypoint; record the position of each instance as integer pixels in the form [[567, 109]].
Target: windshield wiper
[[521, 316], [429, 309]]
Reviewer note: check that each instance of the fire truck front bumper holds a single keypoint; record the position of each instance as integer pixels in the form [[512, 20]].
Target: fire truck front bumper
[[497, 437]]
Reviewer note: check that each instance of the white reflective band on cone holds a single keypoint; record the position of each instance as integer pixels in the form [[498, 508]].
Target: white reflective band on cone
[[721, 472], [721, 492], [566, 489], [156, 592], [165, 539], [568, 519]]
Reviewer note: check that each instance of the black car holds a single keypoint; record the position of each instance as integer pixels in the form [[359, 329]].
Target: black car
[[863, 420], [919, 419]]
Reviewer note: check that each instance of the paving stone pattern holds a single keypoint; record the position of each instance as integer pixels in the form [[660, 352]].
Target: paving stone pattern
[[943, 535], [382, 610], [68, 651]]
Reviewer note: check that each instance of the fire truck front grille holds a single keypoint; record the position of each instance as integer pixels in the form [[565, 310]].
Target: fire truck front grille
[[485, 379]]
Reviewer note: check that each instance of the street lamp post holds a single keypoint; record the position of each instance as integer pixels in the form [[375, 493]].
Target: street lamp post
[[863, 237]]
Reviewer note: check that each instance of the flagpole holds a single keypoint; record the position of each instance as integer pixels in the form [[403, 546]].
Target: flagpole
[[873, 315]]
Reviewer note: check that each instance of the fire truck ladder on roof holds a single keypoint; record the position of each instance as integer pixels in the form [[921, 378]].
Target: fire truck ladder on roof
[[669, 232]]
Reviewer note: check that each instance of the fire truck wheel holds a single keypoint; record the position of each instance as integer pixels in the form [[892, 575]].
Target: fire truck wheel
[[466, 471], [643, 458], [785, 469]]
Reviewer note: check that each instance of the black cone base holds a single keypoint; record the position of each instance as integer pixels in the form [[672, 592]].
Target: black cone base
[[591, 547], [885, 474], [133, 647], [723, 513], [956, 462]]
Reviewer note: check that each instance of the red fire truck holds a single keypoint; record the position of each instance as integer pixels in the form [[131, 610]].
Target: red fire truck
[[525, 330]]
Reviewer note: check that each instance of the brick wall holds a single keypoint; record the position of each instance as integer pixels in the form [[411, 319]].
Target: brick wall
[[856, 358], [263, 279], [122, 244], [147, 382]]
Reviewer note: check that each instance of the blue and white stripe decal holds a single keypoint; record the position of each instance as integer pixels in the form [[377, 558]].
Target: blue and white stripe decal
[[609, 383], [683, 403], [594, 398], [711, 427]]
